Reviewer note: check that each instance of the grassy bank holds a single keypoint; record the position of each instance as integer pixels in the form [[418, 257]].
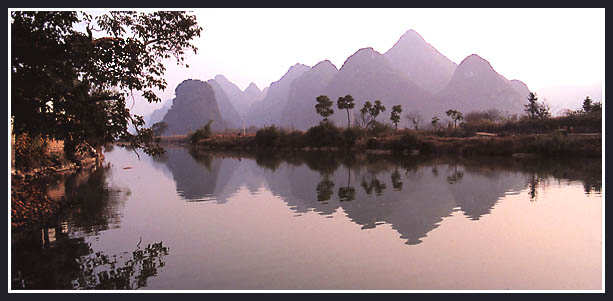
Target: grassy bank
[[406, 141]]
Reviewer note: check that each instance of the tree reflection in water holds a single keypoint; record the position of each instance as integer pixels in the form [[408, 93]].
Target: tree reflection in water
[[533, 184], [371, 182], [396, 182], [101, 271], [56, 255], [324, 189], [421, 195]]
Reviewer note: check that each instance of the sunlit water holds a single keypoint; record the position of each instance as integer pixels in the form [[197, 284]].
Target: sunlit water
[[319, 221]]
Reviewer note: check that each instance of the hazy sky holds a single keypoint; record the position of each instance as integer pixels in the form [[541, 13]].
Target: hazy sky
[[541, 47]]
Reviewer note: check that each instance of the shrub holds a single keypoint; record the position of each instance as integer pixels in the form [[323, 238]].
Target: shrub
[[291, 139], [373, 143], [379, 129], [324, 134], [201, 133], [581, 123], [408, 140], [30, 152], [267, 136], [350, 135]]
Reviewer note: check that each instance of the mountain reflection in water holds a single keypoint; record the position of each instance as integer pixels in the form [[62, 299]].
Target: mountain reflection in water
[[412, 193], [136, 235]]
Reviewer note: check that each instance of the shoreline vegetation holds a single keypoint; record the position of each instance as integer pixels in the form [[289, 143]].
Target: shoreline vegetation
[[572, 135], [492, 132], [580, 145]]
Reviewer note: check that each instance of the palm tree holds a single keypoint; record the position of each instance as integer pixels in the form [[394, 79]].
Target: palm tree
[[346, 103]]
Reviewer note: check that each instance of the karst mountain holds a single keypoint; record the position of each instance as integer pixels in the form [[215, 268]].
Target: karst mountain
[[413, 73]]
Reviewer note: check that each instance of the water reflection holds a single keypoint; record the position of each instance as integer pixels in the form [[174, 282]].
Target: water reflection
[[101, 271], [56, 253], [412, 194]]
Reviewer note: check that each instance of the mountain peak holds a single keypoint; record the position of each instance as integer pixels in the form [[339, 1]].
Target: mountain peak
[[252, 88], [421, 62], [366, 50], [324, 64], [299, 65], [252, 85], [474, 58], [297, 68], [220, 77], [476, 63], [411, 35], [361, 58]]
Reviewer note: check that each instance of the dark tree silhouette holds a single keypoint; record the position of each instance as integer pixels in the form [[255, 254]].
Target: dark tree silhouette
[[536, 110], [324, 107], [456, 116], [324, 189], [365, 113], [395, 116], [69, 85], [590, 106], [346, 103], [377, 108], [372, 111], [435, 122]]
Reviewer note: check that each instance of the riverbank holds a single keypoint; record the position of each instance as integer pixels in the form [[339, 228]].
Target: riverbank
[[35, 157], [554, 144], [36, 167]]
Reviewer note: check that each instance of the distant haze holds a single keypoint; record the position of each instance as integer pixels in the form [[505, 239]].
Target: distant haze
[[541, 47]]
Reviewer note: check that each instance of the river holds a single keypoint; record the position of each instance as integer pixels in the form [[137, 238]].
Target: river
[[318, 220]]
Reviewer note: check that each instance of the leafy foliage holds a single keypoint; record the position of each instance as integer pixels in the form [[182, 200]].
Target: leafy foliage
[[324, 134], [346, 103], [267, 136], [159, 128], [72, 86], [29, 152], [434, 122], [372, 111], [376, 109], [534, 109], [202, 133], [591, 107], [456, 116], [395, 116], [365, 113], [324, 106], [350, 135]]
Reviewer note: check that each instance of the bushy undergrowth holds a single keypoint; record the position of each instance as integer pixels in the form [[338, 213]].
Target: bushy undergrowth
[[379, 129], [408, 140], [581, 123], [513, 136], [267, 136], [324, 134], [35, 152], [30, 152], [202, 133], [350, 136]]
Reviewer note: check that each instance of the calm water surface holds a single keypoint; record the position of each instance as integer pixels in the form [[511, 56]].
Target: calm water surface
[[318, 221]]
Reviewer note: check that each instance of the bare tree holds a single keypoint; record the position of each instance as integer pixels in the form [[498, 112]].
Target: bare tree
[[414, 118]]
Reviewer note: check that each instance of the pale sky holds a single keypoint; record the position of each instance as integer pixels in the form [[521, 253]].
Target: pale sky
[[541, 47]]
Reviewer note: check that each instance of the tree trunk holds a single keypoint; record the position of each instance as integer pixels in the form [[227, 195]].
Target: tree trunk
[[348, 120]]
